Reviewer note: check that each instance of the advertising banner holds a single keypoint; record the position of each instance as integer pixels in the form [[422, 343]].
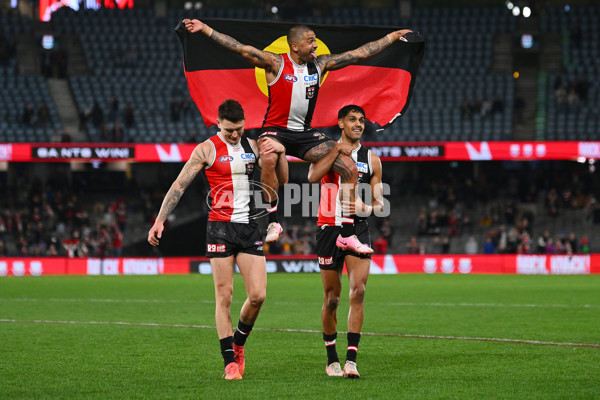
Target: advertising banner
[[529, 264], [387, 151]]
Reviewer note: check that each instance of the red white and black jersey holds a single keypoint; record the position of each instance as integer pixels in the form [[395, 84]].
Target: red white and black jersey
[[330, 207], [293, 95], [229, 177]]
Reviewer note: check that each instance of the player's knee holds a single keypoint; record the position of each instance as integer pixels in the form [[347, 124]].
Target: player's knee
[[332, 301], [223, 296], [269, 161], [357, 294], [257, 299]]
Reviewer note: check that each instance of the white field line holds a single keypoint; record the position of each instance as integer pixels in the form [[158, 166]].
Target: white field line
[[398, 304], [399, 335]]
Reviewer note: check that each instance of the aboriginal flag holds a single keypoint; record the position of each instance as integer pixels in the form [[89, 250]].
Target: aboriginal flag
[[381, 85]]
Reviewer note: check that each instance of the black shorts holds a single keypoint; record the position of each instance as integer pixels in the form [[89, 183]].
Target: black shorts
[[296, 143], [224, 239], [330, 256]]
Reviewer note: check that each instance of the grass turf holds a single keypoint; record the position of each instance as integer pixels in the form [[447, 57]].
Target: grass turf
[[109, 349]]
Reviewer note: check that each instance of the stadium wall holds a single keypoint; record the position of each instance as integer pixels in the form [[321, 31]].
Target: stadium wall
[[522, 264]]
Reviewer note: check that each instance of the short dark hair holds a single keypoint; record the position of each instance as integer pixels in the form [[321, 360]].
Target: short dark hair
[[296, 32], [231, 110], [344, 111]]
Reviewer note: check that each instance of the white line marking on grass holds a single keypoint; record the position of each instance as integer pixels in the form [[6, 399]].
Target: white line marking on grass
[[493, 305], [399, 304], [400, 335], [59, 300]]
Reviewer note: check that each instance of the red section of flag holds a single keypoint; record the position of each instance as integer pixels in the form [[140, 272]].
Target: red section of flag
[[209, 88], [381, 91]]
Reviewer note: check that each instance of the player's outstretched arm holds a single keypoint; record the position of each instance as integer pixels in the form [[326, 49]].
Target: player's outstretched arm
[[331, 62], [258, 58], [318, 170], [200, 158]]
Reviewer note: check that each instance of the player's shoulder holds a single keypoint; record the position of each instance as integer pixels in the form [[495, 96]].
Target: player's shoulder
[[366, 150], [204, 148], [372, 155]]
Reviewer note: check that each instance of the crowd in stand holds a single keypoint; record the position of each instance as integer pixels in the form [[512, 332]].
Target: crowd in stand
[[505, 224], [495, 213], [56, 222], [488, 106], [571, 95], [112, 126], [35, 117]]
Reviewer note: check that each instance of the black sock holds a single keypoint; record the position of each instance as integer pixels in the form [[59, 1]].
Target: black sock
[[353, 339], [347, 229], [272, 211], [330, 346], [241, 334], [227, 349]]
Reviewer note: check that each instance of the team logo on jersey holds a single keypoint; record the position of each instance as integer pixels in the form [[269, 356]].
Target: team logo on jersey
[[362, 167], [215, 248], [310, 92], [291, 78], [258, 243], [320, 135], [226, 159], [248, 156], [249, 169]]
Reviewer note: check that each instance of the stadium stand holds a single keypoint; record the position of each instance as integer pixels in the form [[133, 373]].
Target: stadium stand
[[570, 101], [19, 91], [138, 61], [136, 57]]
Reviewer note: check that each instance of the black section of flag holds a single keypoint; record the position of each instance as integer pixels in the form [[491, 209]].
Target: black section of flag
[[201, 52]]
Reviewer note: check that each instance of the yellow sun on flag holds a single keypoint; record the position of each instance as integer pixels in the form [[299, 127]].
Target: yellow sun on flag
[[280, 46]]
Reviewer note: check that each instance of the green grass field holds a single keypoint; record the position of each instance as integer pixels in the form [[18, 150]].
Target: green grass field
[[152, 337]]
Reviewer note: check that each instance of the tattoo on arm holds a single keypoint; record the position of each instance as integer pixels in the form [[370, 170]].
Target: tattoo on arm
[[169, 203], [337, 61], [256, 57], [191, 168], [203, 156], [342, 169], [226, 41], [316, 153]]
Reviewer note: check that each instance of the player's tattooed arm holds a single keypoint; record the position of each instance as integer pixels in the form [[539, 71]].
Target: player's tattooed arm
[[316, 153], [258, 58], [331, 62], [342, 168], [319, 169], [202, 156]]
